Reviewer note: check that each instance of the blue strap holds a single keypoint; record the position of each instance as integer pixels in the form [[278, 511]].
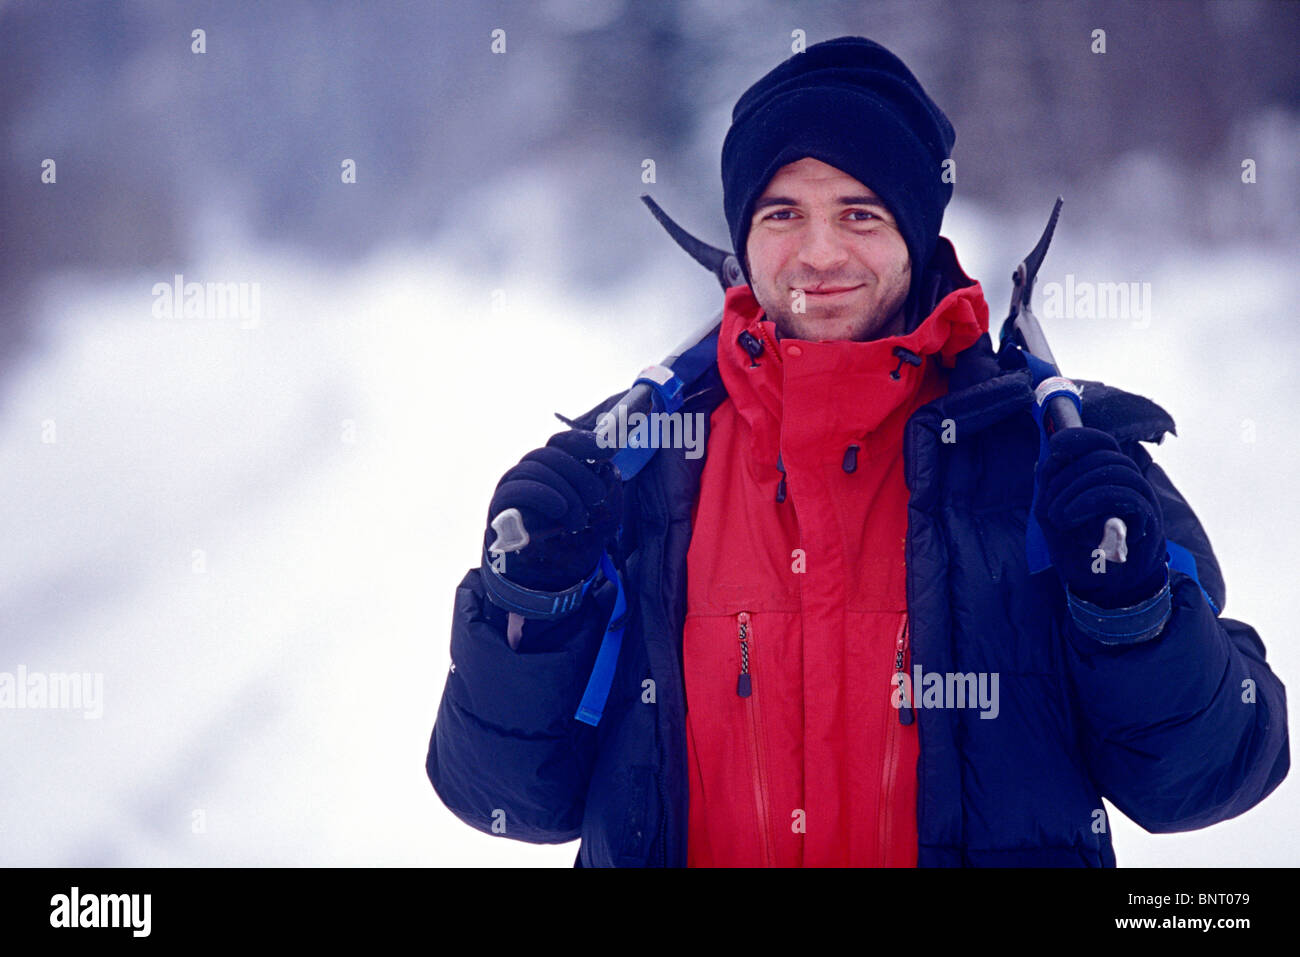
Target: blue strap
[[1036, 553], [668, 396], [593, 701], [1181, 560], [1039, 369]]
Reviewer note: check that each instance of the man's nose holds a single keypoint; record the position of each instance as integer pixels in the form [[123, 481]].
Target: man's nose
[[823, 248]]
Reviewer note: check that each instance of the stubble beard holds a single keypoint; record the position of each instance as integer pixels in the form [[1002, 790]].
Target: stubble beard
[[807, 326]]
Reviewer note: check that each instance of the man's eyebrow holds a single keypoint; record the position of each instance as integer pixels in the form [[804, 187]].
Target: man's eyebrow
[[843, 201], [862, 201]]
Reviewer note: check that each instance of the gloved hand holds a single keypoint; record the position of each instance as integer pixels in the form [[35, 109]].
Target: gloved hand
[[557, 485], [1085, 480]]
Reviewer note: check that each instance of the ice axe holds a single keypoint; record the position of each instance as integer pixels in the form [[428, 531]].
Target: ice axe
[[1061, 410], [657, 388]]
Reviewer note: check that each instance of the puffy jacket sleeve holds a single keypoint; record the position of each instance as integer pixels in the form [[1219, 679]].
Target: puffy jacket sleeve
[[1186, 728], [507, 755]]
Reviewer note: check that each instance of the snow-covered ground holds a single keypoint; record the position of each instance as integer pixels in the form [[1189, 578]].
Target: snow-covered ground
[[254, 534]]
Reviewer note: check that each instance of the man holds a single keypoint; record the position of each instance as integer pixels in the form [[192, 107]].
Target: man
[[834, 651]]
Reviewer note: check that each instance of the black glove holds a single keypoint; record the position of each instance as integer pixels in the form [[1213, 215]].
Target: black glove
[[571, 508], [1085, 480]]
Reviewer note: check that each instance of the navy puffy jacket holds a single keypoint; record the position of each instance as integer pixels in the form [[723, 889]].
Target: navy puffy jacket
[[1163, 729]]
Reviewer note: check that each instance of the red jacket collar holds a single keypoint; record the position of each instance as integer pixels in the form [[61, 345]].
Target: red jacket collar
[[820, 396]]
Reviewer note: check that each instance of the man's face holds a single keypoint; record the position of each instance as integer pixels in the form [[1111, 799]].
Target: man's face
[[825, 256]]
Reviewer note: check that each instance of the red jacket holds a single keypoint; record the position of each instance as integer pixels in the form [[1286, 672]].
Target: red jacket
[[804, 598]]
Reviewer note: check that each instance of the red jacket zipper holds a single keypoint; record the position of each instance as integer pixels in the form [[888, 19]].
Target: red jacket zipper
[[905, 715], [889, 771], [745, 689]]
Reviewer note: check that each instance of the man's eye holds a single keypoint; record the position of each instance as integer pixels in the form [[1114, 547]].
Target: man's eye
[[863, 212], [779, 212]]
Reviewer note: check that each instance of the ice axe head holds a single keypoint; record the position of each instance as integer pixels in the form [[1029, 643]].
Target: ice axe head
[[724, 265]]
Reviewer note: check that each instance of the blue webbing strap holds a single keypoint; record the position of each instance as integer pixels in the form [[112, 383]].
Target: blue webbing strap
[[546, 606], [593, 701], [669, 387], [669, 395], [1181, 560]]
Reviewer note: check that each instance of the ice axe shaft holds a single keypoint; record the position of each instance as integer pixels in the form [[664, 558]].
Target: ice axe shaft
[[1060, 411], [511, 535]]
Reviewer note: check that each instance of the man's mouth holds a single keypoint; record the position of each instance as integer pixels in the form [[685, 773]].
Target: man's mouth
[[825, 292]]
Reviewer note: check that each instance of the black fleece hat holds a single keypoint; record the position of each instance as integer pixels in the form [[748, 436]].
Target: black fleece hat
[[850, 103]]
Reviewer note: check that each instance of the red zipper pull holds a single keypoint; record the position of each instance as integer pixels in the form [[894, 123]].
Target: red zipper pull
[[743, 686], [905, 715]]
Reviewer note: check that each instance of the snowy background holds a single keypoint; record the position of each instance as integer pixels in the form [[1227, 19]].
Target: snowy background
[[253, 531]]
